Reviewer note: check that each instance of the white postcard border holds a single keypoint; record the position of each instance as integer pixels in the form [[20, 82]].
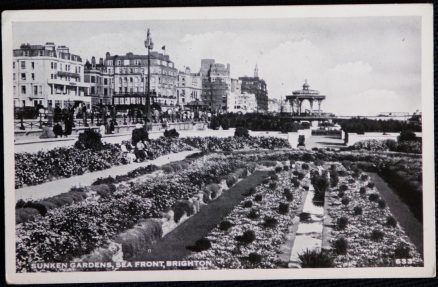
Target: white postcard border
[[267, 12]]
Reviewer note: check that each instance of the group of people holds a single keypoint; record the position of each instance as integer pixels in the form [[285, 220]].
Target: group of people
[[137, 152], [177, 115]]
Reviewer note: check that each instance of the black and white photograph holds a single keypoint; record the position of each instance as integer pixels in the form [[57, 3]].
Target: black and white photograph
[[181, 143]]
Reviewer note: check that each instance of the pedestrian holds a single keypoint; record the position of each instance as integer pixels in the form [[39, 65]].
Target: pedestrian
[[139, 151], [68, 126], [50, 115], [57, 114], [57, 130], [102, 129]]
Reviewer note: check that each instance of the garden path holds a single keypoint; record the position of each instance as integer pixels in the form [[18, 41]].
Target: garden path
[[173, 245], [52, 188], [400, 211]]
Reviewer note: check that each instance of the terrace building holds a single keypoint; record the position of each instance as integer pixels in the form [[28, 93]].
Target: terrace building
[[46, 74], [130, 76], [216, 84], [189, 87], [100, 81], [255, 85]]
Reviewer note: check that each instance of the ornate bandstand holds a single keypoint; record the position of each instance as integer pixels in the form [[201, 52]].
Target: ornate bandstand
[[298, 97]]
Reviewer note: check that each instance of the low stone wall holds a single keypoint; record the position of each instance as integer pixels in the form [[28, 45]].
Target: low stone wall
[[19, 134]]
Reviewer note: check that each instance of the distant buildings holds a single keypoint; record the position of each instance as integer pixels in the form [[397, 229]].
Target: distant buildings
[[255, 85], [130, 76], [189, 87], [46, 74], [274, 106], [216, 84], [100, 82]]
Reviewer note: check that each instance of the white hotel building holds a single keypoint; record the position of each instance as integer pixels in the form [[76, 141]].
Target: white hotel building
[[45, 74]]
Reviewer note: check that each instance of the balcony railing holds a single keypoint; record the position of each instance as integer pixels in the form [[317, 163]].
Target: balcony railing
[[68, 74]]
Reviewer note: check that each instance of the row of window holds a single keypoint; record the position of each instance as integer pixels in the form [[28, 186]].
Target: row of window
[[139, 63], [36, 90], [94, 79], [23, 65]]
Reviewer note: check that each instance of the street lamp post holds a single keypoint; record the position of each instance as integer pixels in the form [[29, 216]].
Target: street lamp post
[[149, 44]]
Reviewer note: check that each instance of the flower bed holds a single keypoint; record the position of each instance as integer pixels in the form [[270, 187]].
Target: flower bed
[[251, 235], [214, 144], [74, 230], [37, 168], [365, 233]]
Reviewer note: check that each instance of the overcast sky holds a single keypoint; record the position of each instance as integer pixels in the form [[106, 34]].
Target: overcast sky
[[364, 65]]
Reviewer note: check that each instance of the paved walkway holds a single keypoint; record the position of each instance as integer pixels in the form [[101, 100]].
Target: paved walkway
[[55, 187], [324, 141], [412, 227], [173, 245], [35, 145]]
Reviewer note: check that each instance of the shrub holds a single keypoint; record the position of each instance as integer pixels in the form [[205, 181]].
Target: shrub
[[200, 245], [140, 134], [315, 259], [373, 197], [381, 203], [104, 190], [391, 222], [377, 235], [20, 203], [351, 180], [300, 175], [343, 187], [363, 177], [286, 168], [295, 182], [342, 223], [357, 210], [402, 251], [180, 208], [362, 190], [270, 222], [254, 258], [345, 201], [25, 214], [283, 208], [340, 246], [306, 187], [231, 180], [171, 133], [251, 191], [247, 204], [241, 132], [247, 237], [341, 194], [104, 180], [371, 185], [89, 139], [144, 234], [289, 196], [278, 169], [305, 166], [225, 124], [334, 179], [304, 216], [258, 197], [273, 185], [253, 214], [225, 225], [407, 135], [274, 177]]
